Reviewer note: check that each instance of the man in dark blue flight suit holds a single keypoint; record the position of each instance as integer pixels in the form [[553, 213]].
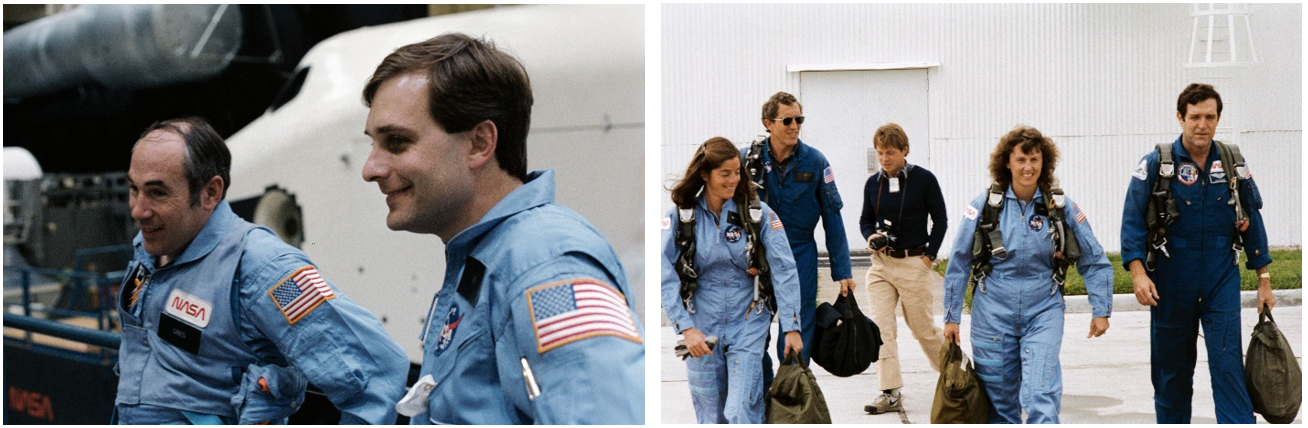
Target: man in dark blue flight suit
[[1196, 279], [800, 187]]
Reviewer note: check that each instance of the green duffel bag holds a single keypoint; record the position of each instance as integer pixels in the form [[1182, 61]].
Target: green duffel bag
[[960, 396], [1272, 373], [795, 396]]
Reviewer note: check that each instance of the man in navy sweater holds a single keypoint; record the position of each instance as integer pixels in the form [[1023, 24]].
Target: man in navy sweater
[[896, 203]]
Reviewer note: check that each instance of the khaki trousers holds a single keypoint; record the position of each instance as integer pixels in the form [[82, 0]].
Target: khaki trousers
[[907, 283]]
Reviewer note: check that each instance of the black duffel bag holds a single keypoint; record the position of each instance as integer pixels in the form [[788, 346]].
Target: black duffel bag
[[795, 397], [847, 341], [1272, 373]]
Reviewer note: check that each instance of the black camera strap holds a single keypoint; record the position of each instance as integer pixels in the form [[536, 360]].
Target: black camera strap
[[902, 194]]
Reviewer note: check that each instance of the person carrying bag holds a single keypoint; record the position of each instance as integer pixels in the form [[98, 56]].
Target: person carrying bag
[[795, 396], [960, 396], [1272, 373]]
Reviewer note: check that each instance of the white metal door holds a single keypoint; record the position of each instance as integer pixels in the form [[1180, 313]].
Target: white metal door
[[843, 109]]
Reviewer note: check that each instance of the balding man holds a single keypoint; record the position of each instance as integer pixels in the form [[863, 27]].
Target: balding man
[[222, 321]]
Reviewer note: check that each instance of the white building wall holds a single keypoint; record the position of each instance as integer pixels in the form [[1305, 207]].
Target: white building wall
[[1101, 80]]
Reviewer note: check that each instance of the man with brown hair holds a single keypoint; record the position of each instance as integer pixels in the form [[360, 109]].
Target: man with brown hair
[[534, 322], [797, 182], [1184, 263], [896, 203]]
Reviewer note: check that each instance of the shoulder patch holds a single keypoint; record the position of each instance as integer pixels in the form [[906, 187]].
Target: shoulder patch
[[776, 221], [568, 311], [1141, 171], [667, 224], [1080, 215], [300, 293], [828, 176], [970, 213]]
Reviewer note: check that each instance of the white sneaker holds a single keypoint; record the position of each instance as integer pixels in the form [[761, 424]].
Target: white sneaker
[[885, 403]]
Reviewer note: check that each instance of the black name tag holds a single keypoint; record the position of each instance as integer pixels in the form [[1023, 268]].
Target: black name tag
[[470, 282], [804, 176], [734, 218], [179, 333]]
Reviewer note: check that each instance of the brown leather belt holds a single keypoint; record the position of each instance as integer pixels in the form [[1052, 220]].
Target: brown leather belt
[[912, 252]]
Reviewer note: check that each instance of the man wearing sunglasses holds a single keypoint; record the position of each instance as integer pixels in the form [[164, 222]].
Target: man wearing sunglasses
[[797, 182]]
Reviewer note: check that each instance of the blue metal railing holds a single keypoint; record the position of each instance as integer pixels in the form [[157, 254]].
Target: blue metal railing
[[76, 283], [103, 339]]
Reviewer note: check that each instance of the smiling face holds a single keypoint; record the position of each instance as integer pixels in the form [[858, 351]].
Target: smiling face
[[159, 197], [1025, 168], [1198, 125], [720, 183], [786, 135], [421, 168]]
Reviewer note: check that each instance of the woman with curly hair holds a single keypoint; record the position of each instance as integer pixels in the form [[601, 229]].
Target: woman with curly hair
[[1017, 309]]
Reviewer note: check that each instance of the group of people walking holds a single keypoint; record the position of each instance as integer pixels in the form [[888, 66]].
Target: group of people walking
[[726, 271]]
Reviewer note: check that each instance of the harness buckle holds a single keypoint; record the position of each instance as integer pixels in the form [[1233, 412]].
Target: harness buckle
[[1167, 170]]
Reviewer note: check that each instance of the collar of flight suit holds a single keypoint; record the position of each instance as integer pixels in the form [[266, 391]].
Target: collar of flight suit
[[220, 221], [1038, 196], [801, 150], [536, 191], [728, 206], [1179, 152]]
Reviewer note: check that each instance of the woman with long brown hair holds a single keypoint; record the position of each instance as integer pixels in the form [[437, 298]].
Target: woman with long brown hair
[[727, 270]]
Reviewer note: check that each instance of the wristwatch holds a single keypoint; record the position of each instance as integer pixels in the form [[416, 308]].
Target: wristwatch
[[1267, 275]]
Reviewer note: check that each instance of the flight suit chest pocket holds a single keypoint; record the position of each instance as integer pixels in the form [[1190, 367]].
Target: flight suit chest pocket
[[131, 295], [465, 365]]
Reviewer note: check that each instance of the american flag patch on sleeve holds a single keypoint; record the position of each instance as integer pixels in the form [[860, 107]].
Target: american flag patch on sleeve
[[1080, 215], [828, 176], [300, 293], [776, 221], [567, 311]]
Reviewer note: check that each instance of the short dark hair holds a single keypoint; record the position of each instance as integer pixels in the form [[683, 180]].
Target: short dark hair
[[469, 81], [711, 155], [1031, 141], [206, 153], [1195, 94], [771, 106]]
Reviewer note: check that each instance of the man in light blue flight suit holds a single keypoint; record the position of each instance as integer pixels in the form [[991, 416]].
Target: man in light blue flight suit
[[1196, 279], [534, 322], [799, 185], [1018, 309], [222, 322], [726, 384]]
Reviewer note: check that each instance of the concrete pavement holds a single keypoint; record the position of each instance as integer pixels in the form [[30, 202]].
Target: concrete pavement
[[1105, 379]]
